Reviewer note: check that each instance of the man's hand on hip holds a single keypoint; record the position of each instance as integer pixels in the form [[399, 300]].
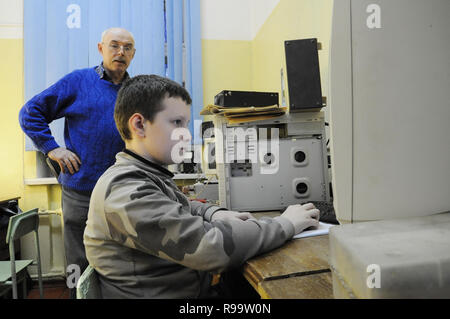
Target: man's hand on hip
[[66, 159]]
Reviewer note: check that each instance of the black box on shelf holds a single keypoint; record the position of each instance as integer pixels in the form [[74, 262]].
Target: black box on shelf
[[245, 98]]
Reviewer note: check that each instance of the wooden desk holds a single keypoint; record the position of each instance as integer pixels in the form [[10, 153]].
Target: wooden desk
[[297, 270]]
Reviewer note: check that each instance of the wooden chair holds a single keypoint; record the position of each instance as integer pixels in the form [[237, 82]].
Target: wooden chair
[[14, 271]]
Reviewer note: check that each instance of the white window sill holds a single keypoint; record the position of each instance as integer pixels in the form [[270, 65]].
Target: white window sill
[[41, 181], [54, 181]]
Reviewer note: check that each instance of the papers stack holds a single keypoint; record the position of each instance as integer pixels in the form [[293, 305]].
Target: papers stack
[[323, 229], [235, 115]]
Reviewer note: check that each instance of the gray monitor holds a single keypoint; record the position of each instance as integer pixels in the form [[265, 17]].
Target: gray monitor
[[389, 107]]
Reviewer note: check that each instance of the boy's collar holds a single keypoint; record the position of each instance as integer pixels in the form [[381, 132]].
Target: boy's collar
[[147, 162]]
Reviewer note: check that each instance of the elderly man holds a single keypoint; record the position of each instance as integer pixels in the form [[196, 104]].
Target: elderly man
[[86, 99]]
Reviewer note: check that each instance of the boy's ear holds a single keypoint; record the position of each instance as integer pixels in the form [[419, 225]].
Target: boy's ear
[[136, 125]]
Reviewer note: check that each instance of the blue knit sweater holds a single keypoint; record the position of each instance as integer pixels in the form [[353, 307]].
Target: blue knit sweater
[[87, 103]]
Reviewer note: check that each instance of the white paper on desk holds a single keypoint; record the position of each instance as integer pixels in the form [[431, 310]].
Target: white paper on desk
[[321, 230]]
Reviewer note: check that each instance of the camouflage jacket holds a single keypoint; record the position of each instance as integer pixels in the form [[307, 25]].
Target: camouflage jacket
[[146, 239]]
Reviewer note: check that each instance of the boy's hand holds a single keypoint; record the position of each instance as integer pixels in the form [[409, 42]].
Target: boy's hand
[[65, 159], [302, 216], [225, 214]]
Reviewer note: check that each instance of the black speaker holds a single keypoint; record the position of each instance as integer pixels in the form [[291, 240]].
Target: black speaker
[[303, 74]]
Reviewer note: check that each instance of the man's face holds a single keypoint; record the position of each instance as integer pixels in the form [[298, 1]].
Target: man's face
[[117, 49], [168, 137]]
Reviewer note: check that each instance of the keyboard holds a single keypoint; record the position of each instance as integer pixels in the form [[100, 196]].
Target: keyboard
[[327, 214]]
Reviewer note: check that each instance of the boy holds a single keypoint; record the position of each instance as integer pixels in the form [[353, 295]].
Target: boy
[[143, 236]]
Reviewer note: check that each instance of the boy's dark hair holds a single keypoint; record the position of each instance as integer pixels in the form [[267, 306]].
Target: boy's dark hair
[[144, 94]]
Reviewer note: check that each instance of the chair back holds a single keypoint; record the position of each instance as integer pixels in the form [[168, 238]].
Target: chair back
[[88, 286], [22, 224], [18, 226]]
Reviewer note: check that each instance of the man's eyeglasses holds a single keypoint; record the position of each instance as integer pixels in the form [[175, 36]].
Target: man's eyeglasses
[[127, 49]]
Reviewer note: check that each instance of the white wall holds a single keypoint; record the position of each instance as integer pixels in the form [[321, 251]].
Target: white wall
[[260, 10], [11, 19], [225, 19], [234, 19]]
